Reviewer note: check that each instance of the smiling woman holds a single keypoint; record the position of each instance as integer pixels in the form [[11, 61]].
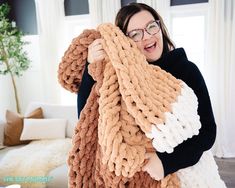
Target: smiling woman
[[159, 42], [149, 43], [122, 69]]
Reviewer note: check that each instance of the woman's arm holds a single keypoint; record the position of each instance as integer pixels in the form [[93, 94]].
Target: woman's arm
[[189, 152], [95, 53], [85, 89]]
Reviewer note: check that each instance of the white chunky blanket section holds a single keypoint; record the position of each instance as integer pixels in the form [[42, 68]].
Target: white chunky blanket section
[[34, 160], [204, 174], [181, 123]]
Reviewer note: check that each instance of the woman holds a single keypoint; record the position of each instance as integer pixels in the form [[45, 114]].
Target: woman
[[144, 25]]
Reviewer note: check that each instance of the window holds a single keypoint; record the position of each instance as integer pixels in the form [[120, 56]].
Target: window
[[188, 30], [126, 2], [76, 7], [186, 2], [24, 14]]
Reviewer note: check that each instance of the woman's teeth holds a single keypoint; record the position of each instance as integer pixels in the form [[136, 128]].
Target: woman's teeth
[[150, 46]]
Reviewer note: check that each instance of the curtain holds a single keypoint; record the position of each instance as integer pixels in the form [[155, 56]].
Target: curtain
[[102, 11], [50, 16], [220, 73]]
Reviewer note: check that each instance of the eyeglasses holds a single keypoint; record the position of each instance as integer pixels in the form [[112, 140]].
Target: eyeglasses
[[152, 28]]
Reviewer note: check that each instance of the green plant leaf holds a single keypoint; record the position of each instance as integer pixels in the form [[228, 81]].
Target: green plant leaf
[[12, 54]]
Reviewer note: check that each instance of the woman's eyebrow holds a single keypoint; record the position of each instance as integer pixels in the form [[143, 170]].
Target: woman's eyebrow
[[149, 23], [142, 28]]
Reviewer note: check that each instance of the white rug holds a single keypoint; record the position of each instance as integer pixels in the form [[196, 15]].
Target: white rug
[[29, 165]]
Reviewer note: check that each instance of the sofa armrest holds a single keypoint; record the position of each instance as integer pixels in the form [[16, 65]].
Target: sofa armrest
[[2, 124]]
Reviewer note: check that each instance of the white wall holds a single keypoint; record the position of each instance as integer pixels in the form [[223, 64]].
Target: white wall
[[29, 85], [6, 95], [30, 88]]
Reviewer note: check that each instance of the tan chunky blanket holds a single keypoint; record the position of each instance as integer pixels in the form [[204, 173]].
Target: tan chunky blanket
[[133, 108]]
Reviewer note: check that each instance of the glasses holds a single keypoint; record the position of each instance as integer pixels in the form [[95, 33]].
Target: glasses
[[152, 28]]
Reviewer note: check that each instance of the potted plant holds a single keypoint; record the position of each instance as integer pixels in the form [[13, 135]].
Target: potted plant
[[13, 59]]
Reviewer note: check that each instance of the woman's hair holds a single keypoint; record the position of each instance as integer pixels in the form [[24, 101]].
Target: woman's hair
[[125, 13]]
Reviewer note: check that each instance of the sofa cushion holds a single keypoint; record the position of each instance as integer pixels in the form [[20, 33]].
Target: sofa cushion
[[14, 126], [35, 129], [57, 111]]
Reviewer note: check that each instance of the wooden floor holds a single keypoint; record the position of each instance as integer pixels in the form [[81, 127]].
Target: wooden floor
[[227, 171]]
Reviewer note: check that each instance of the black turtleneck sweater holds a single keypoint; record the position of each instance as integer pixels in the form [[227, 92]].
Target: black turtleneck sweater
[[189, 152]]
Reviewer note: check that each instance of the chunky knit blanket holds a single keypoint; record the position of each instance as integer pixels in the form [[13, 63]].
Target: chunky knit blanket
[[133, 108]]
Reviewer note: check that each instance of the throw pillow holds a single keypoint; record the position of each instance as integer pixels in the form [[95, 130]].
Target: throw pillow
[[14, 126], [35, 129]]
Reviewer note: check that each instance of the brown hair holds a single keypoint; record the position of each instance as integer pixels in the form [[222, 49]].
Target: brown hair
[[125, 13]]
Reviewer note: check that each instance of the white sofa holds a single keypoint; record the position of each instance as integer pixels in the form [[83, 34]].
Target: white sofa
[[60, 174]]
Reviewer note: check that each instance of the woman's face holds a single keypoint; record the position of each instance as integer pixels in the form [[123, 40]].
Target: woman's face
[[150, 45]]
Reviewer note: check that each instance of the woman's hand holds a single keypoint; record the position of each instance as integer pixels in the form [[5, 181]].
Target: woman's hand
[[96, 51], [154, 166]]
